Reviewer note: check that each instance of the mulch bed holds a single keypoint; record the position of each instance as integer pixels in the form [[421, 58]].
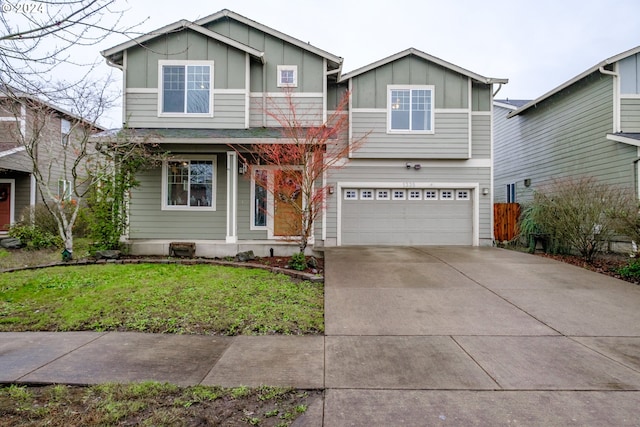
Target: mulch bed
[[607, 263]]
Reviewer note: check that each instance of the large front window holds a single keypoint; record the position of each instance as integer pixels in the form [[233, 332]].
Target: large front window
[[190, 184], [411, 109], [186, 89]]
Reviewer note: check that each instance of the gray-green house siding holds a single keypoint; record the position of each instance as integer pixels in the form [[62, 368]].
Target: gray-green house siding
[[564, 135]]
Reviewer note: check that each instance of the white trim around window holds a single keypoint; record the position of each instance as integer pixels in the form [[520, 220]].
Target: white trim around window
[[287, 76], [410, 109], [193, 183], [193, 80]]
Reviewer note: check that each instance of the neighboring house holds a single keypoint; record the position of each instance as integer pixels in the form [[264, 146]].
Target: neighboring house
[[422, 177], [587, 127], [20, 114]]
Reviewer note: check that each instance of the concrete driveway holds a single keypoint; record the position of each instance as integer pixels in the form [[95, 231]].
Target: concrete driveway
[[476, 336]]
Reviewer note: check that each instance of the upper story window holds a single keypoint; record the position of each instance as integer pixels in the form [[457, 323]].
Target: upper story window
[[287, 76], [65, 130], [186, 87], [410, 109]]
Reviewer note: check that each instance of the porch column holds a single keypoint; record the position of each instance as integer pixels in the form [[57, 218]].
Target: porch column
[[232, 197]]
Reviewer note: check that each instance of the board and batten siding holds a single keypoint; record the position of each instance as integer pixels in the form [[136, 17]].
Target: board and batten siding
[[277, 52], [565, 135], [229, 112], [147, 220], [396, 172], [630, 115], [142, 62], [450, 140], [369, 90]]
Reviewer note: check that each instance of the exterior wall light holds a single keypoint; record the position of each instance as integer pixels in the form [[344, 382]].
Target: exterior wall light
[[485, 191]]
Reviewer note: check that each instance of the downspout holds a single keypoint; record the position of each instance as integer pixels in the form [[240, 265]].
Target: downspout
[[616, 96], [497, 90]]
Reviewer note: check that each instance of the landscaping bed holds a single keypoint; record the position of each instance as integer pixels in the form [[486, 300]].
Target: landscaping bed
[[150, 404]]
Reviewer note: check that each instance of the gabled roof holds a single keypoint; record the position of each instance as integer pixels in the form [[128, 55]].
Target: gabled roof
[[597, 67], [420, 54], [336, 60], [114, 54], [511, 104], [9, 92]]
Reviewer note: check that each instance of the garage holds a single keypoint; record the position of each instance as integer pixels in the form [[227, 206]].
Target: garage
[[417, 216]]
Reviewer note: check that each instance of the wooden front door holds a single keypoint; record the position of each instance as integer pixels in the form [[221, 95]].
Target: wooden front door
[[287, 220], [5, 205]]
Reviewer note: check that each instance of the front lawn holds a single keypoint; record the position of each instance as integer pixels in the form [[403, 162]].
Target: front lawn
[[172, 298]]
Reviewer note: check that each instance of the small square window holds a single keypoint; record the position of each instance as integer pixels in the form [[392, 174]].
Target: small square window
[[415, 195], [462, 195], [382, 195], [287, 76], [431, 194], [399, 195], [366, 194], [446, 194], [351, 194]]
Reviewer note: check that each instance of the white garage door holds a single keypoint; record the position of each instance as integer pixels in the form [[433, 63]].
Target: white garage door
[[407, 217]]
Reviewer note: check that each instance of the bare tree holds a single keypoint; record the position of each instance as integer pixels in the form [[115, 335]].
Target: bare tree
[[38, 36], [298, 164], [58, 145]]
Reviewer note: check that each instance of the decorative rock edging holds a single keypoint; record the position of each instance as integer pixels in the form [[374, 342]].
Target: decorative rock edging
[[314, 278]]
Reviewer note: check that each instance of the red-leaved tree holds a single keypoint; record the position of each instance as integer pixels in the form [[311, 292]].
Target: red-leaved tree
[[298, 164]]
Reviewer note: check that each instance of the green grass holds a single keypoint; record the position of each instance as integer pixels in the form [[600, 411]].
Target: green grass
[[151, 404], [173, 298]]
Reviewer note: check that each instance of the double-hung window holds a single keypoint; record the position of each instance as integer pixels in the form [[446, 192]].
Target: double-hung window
[[189, 184], [410, 109], [186, 87]]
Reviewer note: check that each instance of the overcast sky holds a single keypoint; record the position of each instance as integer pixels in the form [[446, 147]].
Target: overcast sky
[[536, 44]]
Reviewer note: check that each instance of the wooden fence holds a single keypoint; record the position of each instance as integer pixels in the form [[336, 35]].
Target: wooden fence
[[505, 221]]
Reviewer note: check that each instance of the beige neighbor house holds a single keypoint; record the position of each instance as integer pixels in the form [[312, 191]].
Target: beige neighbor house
[[20, 116], [423, 176]]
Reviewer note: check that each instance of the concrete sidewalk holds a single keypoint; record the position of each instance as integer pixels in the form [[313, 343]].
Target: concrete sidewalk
[[414, 336], [84, 358]]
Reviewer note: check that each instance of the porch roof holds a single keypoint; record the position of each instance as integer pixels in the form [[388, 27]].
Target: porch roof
[[251, 135]]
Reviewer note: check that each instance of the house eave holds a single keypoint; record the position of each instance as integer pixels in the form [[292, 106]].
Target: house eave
[[337, 60], [427, 57], [577, 78], [625, 138], [114, 54]]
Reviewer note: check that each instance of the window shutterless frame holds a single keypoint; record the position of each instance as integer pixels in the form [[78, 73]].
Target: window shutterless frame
[[189, 184], [410, 109], [185, 88]]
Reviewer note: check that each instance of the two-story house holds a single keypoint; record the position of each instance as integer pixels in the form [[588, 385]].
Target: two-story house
[[52, 133], [588, 126], [423, 176]]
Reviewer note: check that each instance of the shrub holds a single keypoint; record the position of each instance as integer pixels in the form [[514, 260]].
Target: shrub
[[298, 261], [33, 237], [632, 269], [578, 214], [44, 220]]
